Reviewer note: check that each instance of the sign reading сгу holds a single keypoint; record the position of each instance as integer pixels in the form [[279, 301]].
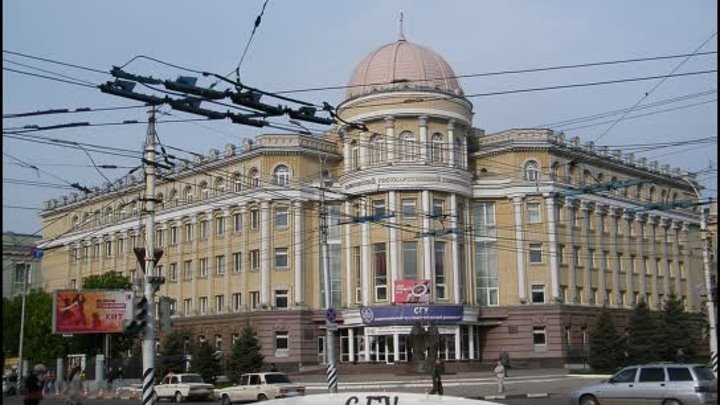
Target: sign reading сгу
[[409, 314]]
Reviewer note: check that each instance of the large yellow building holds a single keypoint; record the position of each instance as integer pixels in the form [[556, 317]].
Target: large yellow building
[[478, 231]]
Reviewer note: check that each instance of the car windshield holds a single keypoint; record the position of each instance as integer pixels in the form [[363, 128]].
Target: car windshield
[[703, 373], [192, 378], [276, 378]]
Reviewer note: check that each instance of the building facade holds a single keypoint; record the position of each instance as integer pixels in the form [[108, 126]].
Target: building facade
[[20, 264], [488, 236]]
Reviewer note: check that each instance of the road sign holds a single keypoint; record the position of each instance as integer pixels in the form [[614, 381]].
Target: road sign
[[330, 315], [331, 326]]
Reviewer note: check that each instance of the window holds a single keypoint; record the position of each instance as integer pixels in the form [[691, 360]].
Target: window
[[187, 270], [21, 270], [625, 376], [561, 254], [254, 178], [219, 186], [606, 259], [380, 271], [173, 272], [159, 271], [378, 208], [533, 210], [203, 305], [576, 256], [652, 374], [73, 283], [281, 176], [255, 260], [437, 208], [96, 250], [237, 222], [354, 155], [358, 274], [407, 147], [436, 147], [187, 306], [188, 232], [633, 269], [237, 182], [536, 253], [204, 191], [484, 217], [679, 374], [539, 338], [219, 303], [220, 265], [218, 343], [281, 343], [121, 246], [408, 208], [219, 225], [281, 217], [281, 258], [188, 195], [237, 262], [108, 248], [235, 337], [487, 273], [174, 235], [237, 301], [377, 150], [555, 171], [591, 258], [440, 270], [281, 298], [538, 293], [160, 237], [254, 219], [530, 172], [204, 267], [409, 260], [204, 226], [254, 300]]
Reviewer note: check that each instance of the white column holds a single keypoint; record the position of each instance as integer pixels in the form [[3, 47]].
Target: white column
[[587, 267], [471, 342], [396, 347], [666, 264], [265, 253], [469, 255], [552, 240], [366, 339], [458, 342], [245, 252], [347, 152], [517, 202], [365, 263], [600, 249], [614, 218], [394, 263], [351, 344], [299, 247], [196, 265], [572, 267], [653, 222], [423, 127], [364, 149], [101, 254], [629, 218], [390, 138], [349, 279], [464, 152], [640, 219], [455, 248], [228, 258], [676, 258], [689, 286], [451, 143], [427, 241], [211, 261]]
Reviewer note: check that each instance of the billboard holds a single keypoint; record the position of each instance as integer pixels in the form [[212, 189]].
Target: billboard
[[409, 314], [91, 311], [412, 291]]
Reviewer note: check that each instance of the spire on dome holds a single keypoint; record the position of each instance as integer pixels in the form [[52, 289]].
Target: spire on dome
[[401, 36]]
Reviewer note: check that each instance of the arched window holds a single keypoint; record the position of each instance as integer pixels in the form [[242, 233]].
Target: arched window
[[530, 172], [219, 185], [204, 191], [436, 144], [159, 201], [254, 178], [136, 209], [377, 150], [86, 219], [555, 171], [75, 221], [587, 178], [457, 149], [674, 197], [281, 176], [651, 194], [354, 155], [173, 197], [188, 195], [571, 174], [663, 196], [616, 191], [638, 191], [407, 147], [237, 182], [600, 178], [108, 215]]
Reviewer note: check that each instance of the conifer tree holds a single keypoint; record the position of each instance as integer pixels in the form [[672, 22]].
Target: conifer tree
[[644, 339], [171, 356], [246, 356], [676, 343], [606, 346], [205, 362]]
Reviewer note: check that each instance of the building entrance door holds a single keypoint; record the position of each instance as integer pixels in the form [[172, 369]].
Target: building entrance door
[[383, 349]]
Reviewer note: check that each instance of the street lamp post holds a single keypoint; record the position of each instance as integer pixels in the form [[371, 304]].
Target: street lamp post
[[330, 334]]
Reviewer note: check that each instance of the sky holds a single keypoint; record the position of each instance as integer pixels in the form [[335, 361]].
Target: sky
[[317, 43]]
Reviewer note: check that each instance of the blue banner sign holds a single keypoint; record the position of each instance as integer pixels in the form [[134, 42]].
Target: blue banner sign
[[409, 314]]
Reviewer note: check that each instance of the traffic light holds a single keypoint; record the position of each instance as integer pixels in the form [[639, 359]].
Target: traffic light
[[140, 313], [165, 312]]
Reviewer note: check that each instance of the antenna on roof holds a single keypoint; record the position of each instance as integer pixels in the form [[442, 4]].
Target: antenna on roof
[[401, 37]]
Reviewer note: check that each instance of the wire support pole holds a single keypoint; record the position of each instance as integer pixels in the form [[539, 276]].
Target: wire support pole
[[21, 369], [330, 335], [148, 342]]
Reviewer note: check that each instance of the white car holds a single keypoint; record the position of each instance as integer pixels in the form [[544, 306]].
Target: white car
[[260, 387], [179, 387]]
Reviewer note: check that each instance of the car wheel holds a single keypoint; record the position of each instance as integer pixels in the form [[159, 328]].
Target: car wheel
[[672, 402], [262, 397], [226, 400], [178, 397], [588, 400]]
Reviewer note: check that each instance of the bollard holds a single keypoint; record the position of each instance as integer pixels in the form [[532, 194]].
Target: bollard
[[100, 394], [117, 393]]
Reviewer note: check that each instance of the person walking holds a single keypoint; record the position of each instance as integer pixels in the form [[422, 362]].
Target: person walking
[[73, 386], [34, 385], [499, 371], [119, 377], [438, 370], [505, 360]]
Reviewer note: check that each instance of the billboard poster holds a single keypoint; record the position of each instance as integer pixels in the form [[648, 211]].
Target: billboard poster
[[412, 291], [409, 314], [91, 311]]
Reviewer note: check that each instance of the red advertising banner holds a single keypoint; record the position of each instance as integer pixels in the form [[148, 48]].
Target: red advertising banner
[[91, 311], [412, 291]]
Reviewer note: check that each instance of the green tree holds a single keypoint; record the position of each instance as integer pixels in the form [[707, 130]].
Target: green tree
[[606, 346], [39, 343], [675, 330], [110, 280], [246, 356], [644, 339], [205, 362], [171, 357]]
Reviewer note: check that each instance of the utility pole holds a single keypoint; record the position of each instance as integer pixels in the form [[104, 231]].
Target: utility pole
[[26, 274], [330, 334], [148, 343]]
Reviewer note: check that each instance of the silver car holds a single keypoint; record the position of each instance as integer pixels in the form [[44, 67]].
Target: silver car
[[660, 384]]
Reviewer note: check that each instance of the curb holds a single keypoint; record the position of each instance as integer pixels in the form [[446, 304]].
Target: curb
[[514, 396]]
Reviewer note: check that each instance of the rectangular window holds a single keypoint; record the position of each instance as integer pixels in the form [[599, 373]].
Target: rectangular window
[[484, 217], [539, 338], [281, 217], [160, 237], [606, 259], [237, 301], [173, 272], [21, 270], [203, 305], [633, 269], [681, 266], [358, 274], [380, 271], [220, 226], [174, 235], [621, 265], [591, 258], [533, 211], [281, 258], [378, 208], [536, 253], [96, 250], [86, 252], [237, 222], [646, 265], [576, 258], [204, 267], [73, 283], [219, 303], [561, 254], [440, 270], [188, 232], [159, 270], [108, 249], [255, 260], [187, 270], [487, 273], [204, 229], [218, 343], [220, 265], [187, 306], [254, 300], [254, 219], [410, 260], [538, 293], [237, 262], [437, 208], [282, 344], [408, 208], [121, 246], [281, 298]]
